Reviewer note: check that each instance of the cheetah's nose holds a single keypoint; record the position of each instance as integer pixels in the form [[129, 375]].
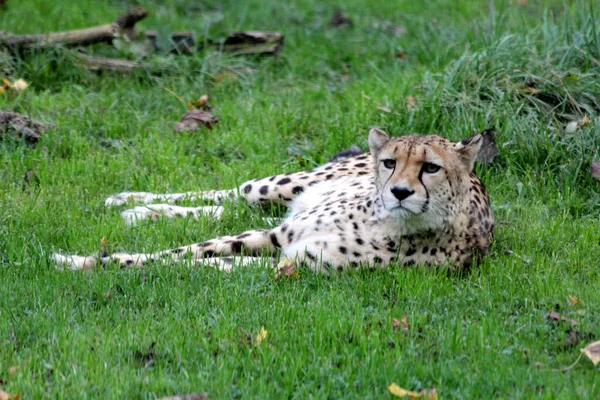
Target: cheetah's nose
[[401, 193]]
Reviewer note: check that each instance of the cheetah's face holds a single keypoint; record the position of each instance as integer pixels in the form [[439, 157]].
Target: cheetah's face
[[422, 176]]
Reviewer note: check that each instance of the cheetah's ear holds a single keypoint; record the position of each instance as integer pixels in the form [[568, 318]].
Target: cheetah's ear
[[468, 149], [377, 139]]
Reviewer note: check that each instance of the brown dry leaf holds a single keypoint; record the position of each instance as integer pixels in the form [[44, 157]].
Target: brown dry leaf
[[400, 55], [428, 394], [592, 351], [193, 396], [286, 268], [395, 324], [404, 321], [585, 121], [595, 170], [530, 89], [201, 103], [411, 102], [554, 316], [262, 335], [6, 396], [574, 300], [194, 119], [225, 75], [339, 19]]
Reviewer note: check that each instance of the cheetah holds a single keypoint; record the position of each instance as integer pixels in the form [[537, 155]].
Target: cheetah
[[411, 200]]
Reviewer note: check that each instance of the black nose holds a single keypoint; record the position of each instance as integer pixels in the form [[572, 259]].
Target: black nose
[[401, 193]]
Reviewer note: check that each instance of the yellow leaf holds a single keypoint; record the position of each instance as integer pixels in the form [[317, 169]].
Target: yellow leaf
[[286, 268], [592, 351], [574, 300], [427, 394], [262, 335], [585, 121], [19, 85]]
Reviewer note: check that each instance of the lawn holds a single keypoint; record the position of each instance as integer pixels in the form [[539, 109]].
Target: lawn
[[528, 68]]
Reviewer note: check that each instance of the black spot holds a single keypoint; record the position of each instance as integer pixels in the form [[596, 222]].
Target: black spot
[[333, 213], [284, 181], [342, 249], [340, 268], [311, 256], [353, 264], [369, 203], [204, 244], [247, 188], [355, 226], [129, 262], [377, 260], [290, 236], [208, 253], [178, 250], [329, 176], [356, 254], [360, 165], [271, 179], [350, 216], [433, 251], [283, 228], [319, 222], [242, 236], [274, 240], [263, 189], [408, 263], [297, 189], [362, 173], [426, 249], [360, 241], [410, 252], [236, 246]]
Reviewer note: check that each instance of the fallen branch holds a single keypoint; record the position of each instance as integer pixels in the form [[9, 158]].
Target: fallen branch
[[121, 27], [107, 64]]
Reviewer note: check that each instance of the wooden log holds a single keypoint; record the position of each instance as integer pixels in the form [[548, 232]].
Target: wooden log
[[107, 64], [121, 27]]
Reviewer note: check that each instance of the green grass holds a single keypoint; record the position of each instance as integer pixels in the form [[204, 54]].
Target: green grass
[[179, 330]]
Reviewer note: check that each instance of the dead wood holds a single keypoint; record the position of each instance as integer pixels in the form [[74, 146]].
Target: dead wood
[[22, 126], [107, 64], [123, 26]]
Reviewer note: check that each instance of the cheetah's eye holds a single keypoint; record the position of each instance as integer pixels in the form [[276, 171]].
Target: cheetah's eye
[[389, 163], [430, 168]]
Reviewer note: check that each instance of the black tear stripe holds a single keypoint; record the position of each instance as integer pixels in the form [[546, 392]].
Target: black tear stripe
[[426, 205]]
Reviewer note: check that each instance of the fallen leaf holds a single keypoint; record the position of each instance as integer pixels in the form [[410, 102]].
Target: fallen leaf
[[575, 337], [12, 370], [428, 394], [574, 300], [400, 55], [19, 85], [554, 316], [585, 121], [286, 268], [411, 102], [262, 335], [395, 324], [592, 351], [6, 396], [194, 396], [404, 321], [225, 75], [201, 103], [530, 89], [339, 19], [193, 119], [595, 170], [571, 127], [383, 108]]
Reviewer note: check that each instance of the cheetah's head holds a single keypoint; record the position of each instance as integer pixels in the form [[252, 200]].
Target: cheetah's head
[[424, 178]]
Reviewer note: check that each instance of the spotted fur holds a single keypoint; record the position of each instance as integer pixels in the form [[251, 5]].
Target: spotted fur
[[412, 200]]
